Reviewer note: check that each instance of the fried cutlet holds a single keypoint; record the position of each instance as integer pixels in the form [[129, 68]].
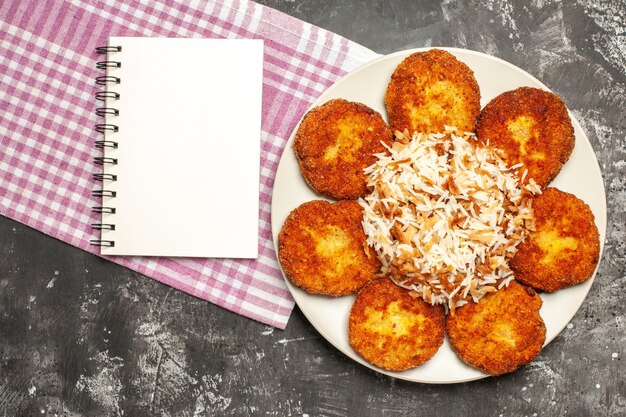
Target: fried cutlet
[[565, 248], [532, 127], [430, 90], [322, 248], [501, 332], [391, 330], [335, 142]]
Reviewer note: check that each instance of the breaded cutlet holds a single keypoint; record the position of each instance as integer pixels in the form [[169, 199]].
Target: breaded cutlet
[[430, 90], [565, 247], [501, 332], [335, 142], [322, 248], [531, 126], [393, 331]]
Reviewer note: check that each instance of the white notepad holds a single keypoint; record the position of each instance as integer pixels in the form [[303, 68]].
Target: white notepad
[[188, 147]]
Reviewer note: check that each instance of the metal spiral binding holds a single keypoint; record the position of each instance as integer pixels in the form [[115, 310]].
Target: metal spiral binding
[[108, 64], [102, 243], [104, 193], [107, 79], [106, 96], [101, 144], [103, 111], [103, 226], [103, 95], [103, 50], [101, 209], [101, 127], [102, 177]]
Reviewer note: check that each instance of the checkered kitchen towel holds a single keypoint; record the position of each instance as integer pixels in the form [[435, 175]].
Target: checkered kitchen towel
[[47, 70]]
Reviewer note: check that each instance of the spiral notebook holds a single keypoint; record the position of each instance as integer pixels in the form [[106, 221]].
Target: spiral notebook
[[180, 150]]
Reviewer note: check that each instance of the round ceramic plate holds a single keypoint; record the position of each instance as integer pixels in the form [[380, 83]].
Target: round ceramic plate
[[580, 176]]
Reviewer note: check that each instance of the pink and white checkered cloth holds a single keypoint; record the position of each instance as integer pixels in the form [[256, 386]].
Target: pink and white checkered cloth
[[47, 70]]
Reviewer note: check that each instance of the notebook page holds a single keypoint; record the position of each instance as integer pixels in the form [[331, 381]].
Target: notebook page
[[188, 147]]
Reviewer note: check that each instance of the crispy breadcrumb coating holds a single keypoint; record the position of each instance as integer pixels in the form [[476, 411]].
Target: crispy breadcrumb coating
[[500, 333], [430, 90], [391, 330], [532, 127], [322, 248], [335, 142], [565, 247]]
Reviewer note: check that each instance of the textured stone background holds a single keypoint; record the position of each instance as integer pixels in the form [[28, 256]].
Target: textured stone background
[[83, 337]]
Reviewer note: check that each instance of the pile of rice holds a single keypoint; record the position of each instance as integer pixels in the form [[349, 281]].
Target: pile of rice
[[445, 215]]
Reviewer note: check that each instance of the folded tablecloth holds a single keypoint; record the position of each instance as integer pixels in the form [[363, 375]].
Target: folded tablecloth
[[47, 70]]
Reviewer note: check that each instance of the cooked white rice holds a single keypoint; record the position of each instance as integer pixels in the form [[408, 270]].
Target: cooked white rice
[[445, 215]]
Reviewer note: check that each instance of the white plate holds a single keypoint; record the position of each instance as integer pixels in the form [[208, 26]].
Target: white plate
[[580, 176]]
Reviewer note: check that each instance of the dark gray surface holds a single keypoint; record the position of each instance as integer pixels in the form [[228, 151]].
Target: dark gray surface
[[80, 336]]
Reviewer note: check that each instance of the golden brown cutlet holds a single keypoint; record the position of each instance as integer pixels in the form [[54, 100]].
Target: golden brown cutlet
[[430, 90], [500, 333], [335, 142], [393, 331], [322, 248], [532, 127], [565, 247]]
